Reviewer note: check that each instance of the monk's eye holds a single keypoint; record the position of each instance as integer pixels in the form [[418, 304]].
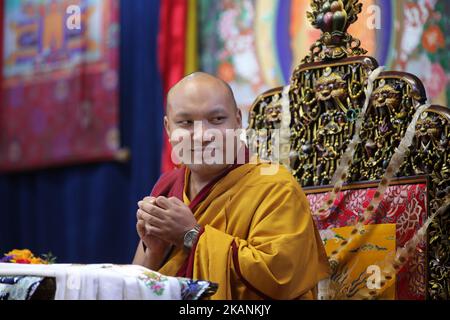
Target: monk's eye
[[184, 123], [218, 120]]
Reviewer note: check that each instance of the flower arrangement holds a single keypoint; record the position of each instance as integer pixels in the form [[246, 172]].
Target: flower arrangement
[[27, 257]]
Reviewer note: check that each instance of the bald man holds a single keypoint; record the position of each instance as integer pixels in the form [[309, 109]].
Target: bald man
[[252, 234]]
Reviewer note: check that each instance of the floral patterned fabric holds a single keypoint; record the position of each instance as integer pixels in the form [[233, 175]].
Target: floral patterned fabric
[[190, 289], [404, 206], [97, 282]]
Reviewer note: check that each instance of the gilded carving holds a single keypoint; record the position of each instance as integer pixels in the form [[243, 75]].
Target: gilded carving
[[325, 100]]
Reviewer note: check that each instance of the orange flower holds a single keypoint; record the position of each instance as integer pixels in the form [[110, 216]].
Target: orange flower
[[26, 257], [433, 39], [37, 261], [22, 261], [20, 254]]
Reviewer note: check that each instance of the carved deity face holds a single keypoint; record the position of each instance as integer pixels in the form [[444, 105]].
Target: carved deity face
[[273, 113], [428, 128], [341, 118], [386, 96], [331, 86]]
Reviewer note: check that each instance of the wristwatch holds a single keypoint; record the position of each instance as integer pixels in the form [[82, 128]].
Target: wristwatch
[[191, 236]]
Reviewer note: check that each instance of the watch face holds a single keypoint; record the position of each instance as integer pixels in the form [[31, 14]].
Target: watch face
[[189, 238]]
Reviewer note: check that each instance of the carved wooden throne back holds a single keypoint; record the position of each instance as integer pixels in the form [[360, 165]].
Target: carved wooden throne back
[[326, 96]]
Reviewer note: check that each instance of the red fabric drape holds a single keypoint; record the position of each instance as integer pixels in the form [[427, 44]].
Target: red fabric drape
[[2, 4], [172, 57]]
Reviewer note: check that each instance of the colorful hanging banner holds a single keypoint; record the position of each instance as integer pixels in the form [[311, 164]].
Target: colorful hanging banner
[[59, 83], [178, 52]]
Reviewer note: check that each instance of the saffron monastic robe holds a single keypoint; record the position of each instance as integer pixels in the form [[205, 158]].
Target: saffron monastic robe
[[258, 238]]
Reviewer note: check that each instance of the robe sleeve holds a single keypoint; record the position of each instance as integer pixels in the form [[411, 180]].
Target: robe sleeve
[[282, 257]]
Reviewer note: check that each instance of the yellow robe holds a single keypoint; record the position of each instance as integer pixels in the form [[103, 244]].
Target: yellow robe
[[259, 238]]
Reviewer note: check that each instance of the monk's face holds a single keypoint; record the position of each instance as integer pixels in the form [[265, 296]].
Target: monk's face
[[204, 111]]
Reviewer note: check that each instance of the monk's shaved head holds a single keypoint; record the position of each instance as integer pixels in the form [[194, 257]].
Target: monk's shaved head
[[202, 109], [198, 85]]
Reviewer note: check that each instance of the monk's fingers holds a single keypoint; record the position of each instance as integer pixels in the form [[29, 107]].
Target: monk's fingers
[[164, 203], [146, 206], [151, 219], [152, 209], [139, 216], [145, 216], [140, 227], [176, 201], [149, 199], [158, 213], [141, 204], [153, 231]]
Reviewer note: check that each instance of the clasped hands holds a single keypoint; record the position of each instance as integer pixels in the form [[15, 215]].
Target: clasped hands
[[163, 221]]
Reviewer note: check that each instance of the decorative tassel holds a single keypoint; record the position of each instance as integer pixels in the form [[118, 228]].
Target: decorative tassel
[[280, 138], [392, 169], [285, 134], [394, 263], [341, 173]]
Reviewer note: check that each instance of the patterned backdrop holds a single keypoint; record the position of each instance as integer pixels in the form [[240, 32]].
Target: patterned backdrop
[[256, 44], [59, 85]]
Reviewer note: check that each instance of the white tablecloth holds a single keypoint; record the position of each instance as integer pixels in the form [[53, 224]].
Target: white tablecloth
[[102, 281]]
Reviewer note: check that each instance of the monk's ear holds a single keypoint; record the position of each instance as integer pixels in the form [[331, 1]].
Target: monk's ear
[[166, 126], [239, 117]]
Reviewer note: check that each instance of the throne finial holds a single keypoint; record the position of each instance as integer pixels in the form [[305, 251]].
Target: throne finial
[[333, 18]]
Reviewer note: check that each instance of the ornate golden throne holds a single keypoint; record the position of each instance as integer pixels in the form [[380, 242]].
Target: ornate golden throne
[[372, 158]]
